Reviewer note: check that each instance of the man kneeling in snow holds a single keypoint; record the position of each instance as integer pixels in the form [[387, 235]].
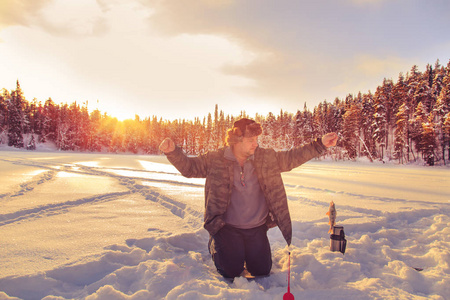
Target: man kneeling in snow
[[244, 194]]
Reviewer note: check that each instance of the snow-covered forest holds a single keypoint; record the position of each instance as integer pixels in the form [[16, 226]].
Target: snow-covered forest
[[407, 120]]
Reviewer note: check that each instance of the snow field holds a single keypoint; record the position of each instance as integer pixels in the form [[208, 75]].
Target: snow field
[[95, 226]]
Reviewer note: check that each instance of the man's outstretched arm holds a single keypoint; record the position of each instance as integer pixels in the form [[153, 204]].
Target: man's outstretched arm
[[188, 166]]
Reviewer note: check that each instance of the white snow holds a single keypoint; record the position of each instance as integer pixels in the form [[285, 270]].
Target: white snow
[[102, 226]]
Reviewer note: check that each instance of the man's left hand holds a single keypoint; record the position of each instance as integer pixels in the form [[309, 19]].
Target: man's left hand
[[330, 139]]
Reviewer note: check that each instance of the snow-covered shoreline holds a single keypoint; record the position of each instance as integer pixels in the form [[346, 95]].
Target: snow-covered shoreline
[[103, 226]]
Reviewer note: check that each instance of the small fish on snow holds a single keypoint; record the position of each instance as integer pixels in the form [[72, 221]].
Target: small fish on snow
[[331, 216]]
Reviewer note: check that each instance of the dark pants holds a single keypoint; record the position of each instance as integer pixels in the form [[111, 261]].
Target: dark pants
[[232, 247]]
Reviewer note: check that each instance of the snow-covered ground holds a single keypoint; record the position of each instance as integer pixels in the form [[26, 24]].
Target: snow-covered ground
[[101, 226]]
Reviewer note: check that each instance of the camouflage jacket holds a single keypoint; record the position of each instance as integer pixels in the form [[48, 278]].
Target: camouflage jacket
[[219, 174]]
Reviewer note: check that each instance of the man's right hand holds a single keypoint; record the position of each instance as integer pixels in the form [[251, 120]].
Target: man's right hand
[[167, 145]]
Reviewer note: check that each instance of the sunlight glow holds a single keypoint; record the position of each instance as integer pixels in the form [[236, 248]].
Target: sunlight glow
[[112, 61]]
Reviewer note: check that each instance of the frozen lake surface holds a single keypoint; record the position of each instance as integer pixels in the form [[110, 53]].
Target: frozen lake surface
[[102, 226]]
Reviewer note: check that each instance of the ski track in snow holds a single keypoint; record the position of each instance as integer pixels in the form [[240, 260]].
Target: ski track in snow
[[164, 266], [52, 209], [29, 186], [177, 208]]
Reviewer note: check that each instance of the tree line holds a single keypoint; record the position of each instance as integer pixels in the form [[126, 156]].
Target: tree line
[[407, 120]]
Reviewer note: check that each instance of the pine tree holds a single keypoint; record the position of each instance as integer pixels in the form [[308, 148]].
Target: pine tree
[[209, 136], [117, 141], [442, 108], [423, 93], [446, 129], [221, 130], [319, 117], [331, 123], [401, 134], [202, 137], [189, 137], [367, 119], [428, 142], [16, 118], [438, 84], [216, 128], [3, 114], [302, 127], [308, 130], [27, 113], [73, 124], [399, 93], [380, 120], [37, 117], [96, 131], [84, 128], [317, 120], [400, 107], [199, 132], [154, 135], [419, 117], [282, 127], [63, 141], [296, 133], [352, 124], [268, 137], [50, 121], [412, 81]]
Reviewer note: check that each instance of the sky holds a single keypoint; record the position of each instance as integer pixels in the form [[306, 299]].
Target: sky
[[178, 59]]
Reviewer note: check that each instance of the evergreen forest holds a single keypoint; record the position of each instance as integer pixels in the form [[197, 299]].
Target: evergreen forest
[[407, 121]]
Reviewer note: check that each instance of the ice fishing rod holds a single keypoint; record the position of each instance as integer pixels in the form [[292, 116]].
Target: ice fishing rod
[[288, 295]]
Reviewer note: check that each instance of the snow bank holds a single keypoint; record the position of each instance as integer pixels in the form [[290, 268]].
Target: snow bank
[[145, 240]]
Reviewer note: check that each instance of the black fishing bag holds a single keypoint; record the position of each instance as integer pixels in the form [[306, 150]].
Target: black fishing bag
[[337, 239]]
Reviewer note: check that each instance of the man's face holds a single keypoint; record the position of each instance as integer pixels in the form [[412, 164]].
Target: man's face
[[247, 146]]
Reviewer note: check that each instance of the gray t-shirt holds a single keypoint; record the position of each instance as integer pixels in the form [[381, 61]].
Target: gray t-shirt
[[248, 207]]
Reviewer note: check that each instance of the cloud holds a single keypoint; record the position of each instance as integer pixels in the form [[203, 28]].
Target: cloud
[[81, 18], [311, 50], [60, 18], [19, 12]]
